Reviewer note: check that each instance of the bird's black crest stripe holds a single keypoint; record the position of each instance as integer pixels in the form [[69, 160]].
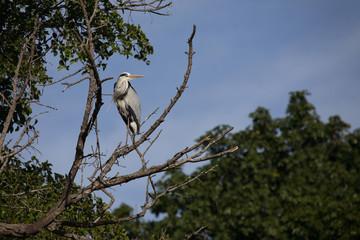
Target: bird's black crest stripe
[[131, 86]]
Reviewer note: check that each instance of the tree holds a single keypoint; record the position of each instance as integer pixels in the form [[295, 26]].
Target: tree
[[86, 33], [33, 180], [292, 178]]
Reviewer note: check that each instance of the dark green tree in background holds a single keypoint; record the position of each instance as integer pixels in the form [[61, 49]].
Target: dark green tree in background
[[292, 178], [82, 35]]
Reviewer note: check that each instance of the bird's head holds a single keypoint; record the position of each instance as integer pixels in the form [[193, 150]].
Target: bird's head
[[125, 76]]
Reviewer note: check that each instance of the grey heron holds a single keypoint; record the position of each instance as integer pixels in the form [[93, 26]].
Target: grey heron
[[127, 101]]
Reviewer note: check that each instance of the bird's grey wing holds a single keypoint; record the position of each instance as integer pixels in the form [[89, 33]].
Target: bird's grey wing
[[133, 118], [120, 104], [134, 102]]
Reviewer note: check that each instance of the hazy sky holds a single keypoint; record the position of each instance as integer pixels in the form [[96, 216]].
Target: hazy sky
[[248, 54]]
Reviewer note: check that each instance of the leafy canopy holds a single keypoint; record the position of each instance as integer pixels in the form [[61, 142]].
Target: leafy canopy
[[30, 32], [294, 177], [59, 28]]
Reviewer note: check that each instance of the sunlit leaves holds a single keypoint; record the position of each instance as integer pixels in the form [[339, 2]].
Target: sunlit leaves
[[64, 32], [112, 35]]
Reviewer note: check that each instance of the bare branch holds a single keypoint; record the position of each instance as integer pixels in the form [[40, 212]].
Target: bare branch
[[143, 6], [53, 108], [117, 180], [149, 116], [99, 181], [106, 79], [68, 76], [196, 232], [25, 193], [8, 156], [112, 200], [4, 99], [68, 85], [161, 119], [152, 142], [144, 207]]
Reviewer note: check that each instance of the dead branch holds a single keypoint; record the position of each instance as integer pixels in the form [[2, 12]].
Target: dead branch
[[145, 136], [4, 99], [68, 76], [143, 6], [28, 143], [196, 232], [152, 142], [100, 183], [68, 85], [43, 105], [144, 207], [149, 116], [118, 180], [112, 200], [8, 156], [25, 193], [103, 182], [107, 79]]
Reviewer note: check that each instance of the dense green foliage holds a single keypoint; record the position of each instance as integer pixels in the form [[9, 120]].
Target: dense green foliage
[[34, 189], [31, 33], [17, 24], [59, 27], [292, 178]]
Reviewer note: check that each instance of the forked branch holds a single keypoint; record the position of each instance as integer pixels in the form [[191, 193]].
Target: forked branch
[[99, 181], [102, 183]]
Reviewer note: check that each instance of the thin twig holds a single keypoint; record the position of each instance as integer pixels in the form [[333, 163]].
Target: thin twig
[[4, 99], [196, 232], [25, 193], [68, 76], [8, 156], [152, 142], [68, 85], [149, 116]]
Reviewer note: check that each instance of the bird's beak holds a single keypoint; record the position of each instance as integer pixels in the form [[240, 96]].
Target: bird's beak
[[135, 76]]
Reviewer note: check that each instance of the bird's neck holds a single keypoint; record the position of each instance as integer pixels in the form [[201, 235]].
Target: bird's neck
[[121, 88]]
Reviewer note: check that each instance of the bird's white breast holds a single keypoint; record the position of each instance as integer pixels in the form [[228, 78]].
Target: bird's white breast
[[120, 89]]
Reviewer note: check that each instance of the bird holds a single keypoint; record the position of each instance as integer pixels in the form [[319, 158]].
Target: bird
[[127, 101]]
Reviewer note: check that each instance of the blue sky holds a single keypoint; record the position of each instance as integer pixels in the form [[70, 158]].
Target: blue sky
[[248, 54]]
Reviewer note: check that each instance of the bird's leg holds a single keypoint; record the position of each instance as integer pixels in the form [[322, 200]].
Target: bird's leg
[[127, 130]]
